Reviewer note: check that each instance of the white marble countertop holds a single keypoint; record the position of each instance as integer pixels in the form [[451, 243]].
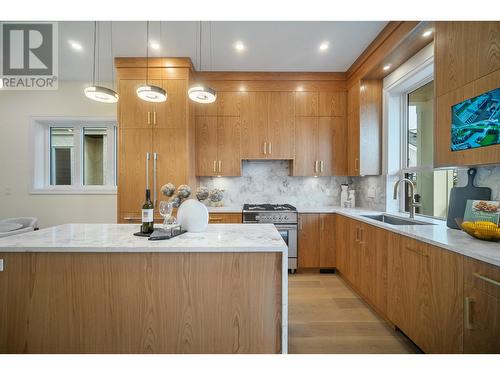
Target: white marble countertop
[[438, 234], [120, 238]]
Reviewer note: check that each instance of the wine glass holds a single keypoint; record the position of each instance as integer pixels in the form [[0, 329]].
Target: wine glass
[[166, 209]]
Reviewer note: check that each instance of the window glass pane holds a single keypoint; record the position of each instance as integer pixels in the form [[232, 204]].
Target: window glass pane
[[95, 166], [432, 190], [61, 156], [420, 133]]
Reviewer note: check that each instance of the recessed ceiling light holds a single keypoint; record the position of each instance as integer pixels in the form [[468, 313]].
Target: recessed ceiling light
[[239, 46], [324, 46], [154, 45], [427, 33], [75, 45], [387, 67]]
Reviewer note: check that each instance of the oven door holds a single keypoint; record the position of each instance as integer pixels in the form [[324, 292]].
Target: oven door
[[289, 235]]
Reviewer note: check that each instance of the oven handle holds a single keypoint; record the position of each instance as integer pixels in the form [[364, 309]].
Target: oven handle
[[286, 227]]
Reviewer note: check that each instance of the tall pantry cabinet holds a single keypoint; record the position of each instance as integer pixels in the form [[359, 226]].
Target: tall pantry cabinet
[[154, 136]]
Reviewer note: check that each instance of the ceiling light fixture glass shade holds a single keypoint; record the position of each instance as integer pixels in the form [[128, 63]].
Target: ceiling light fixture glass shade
[[152, 94], [101, 94], [202, 94]]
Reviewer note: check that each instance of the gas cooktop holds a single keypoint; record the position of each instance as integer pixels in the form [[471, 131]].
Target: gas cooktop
[[268, 207]]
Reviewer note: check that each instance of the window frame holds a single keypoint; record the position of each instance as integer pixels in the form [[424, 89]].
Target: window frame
[[41, 149]]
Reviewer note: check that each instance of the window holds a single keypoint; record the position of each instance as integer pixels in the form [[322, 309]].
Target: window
[[74, 155], [432, 187]]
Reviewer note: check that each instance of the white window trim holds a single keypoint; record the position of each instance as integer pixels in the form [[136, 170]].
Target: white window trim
[[40, 155]]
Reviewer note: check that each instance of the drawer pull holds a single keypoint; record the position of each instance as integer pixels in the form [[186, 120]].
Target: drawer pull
[[131, 218], [487, 279], [417, 251]]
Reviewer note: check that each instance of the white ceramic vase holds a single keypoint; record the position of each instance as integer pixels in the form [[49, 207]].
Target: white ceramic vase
[[193, 216]]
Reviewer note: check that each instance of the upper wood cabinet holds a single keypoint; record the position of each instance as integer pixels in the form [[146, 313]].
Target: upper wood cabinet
[[320, 147], [172, 113], [467, 64], [364, 128], [218, 146], [332, 104], [425, 295], [316, 245], [306, 103], [228, 103], [133, 112], [268, 126]]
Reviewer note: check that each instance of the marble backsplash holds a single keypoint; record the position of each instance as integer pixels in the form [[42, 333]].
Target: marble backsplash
[[486, 176], [266, 181]]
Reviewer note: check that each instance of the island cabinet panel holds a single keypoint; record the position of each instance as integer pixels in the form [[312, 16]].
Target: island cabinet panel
[[225, 218], [425, 297], [141, 303], [482, 307], [316, 248]]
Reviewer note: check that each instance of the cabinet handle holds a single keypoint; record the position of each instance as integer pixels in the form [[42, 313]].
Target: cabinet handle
[[1, 265], [215, 166], [154, 118], [300, 223], [316, 166], [321, 166], [220, 166], [487, 279], [361, 237], [131, 218], [270, 148], [155, 158], [417, 251], [322, 220], [216, 219], [265, 148], [356, 165], [357, 234], [149, 118], [468, 322], [147, 169]]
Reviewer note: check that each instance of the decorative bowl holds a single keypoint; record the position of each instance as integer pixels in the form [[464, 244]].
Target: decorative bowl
[[483, 230]]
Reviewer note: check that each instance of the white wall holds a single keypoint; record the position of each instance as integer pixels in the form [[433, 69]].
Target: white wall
[[16, 109]]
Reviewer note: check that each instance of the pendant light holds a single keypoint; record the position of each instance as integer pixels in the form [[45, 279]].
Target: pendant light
[[99, 93], [150, 93], [202, 93]]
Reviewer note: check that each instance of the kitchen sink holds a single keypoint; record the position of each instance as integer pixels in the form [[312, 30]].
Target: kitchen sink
[[394, 220]]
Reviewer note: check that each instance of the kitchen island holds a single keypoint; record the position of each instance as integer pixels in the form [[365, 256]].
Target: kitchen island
[[95, 288]]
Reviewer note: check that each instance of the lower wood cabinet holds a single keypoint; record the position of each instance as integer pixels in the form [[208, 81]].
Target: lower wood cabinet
[[482, 307], [225, 218], [362, 259], [316, 248], [425, 294]]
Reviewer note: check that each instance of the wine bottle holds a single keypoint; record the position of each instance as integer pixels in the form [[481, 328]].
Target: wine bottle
[[147, 214]]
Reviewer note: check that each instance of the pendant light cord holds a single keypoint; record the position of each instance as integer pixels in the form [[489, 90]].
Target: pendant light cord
[[93, 65], [147, 52], [200, 46], [112, 55]]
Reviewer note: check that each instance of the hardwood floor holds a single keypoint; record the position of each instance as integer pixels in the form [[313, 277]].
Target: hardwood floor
[[326, 317]]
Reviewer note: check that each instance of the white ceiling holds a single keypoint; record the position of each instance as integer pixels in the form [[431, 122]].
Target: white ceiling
[[270, 46]]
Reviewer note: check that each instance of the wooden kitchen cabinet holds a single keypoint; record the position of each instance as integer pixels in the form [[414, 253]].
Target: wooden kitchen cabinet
[[230, 103], [164, 130], [316, 248], [364, 124], [332, 104], [268, 126], [306, 104], [320, 146], [425, 294], [225, 218], [482, 307], [217, 142]]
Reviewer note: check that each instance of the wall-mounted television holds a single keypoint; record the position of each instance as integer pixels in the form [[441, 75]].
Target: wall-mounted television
[[475, 122]]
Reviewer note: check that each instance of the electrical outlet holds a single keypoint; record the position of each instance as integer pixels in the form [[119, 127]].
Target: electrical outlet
[[371, 192], [1, 265]]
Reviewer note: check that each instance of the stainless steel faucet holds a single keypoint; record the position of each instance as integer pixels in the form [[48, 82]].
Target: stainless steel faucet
[[412, 204]]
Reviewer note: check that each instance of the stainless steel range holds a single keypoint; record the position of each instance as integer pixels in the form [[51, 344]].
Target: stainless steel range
[[284, 217]]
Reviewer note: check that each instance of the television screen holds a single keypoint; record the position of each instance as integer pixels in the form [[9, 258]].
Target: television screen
[[475, 122]]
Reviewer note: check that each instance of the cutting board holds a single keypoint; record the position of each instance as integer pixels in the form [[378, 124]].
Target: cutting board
[[460, 195]]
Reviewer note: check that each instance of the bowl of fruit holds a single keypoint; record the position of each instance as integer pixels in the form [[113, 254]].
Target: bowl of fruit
[[483, 230]]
